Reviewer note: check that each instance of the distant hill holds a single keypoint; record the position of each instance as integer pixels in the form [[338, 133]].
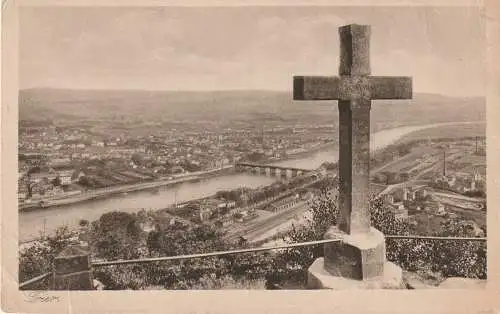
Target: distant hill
[[253, 105]]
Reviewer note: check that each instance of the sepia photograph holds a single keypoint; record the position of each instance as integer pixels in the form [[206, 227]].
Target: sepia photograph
[[251, 148]]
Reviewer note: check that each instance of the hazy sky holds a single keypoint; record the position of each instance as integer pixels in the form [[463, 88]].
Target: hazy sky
[[172, 48]]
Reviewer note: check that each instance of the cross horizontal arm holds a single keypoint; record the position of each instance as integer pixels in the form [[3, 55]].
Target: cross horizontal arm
[[316, 88], [391, 87]]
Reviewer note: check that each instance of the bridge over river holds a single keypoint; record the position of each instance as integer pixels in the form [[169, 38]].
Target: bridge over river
[[270, 170]]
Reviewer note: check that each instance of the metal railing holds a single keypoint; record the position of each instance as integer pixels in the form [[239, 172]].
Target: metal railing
[[34, 281], [219, 253], [96, 264], [278, 247], [435, 238]]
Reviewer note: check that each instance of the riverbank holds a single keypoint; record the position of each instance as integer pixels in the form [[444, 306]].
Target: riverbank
[[34, 222], [111, 191]]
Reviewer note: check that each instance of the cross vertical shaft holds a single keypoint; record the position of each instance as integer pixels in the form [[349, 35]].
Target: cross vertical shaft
[[354, 89], [354, 166], [354, 132], [354, 50]]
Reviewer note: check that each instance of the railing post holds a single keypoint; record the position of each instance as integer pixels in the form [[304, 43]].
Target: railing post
[[72, 269]]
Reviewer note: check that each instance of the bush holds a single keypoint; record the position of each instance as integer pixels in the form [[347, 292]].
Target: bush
[[116, 235], [245, 270], [449, 258], [38, 258]]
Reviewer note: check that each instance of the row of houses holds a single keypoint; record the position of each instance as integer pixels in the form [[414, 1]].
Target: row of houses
[[208, 208], [66, 177], [417, 197], [407, 193], [284, 204], [395, 199], [463, 182], [47, 183]]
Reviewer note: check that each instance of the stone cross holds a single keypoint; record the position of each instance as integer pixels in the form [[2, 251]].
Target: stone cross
[[354, 89]]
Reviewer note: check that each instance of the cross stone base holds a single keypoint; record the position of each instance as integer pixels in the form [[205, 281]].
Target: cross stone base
[[319, 278], [356, 262]]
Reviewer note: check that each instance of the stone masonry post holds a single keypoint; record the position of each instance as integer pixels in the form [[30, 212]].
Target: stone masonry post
[[72, 269]]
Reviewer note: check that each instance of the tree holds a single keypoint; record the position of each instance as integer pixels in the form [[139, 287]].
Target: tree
[[38, 258], [116, 235], [448, 258], [323, 214]]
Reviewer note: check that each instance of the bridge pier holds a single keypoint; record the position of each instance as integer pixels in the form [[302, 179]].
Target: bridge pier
[[277, 172], [283, 174], [268, 171]]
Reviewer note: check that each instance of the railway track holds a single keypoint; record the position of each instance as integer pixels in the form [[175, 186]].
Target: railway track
[[258, 228]]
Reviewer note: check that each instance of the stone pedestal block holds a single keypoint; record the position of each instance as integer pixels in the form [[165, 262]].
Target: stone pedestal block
[[357, 261], [358, 256], [319, 278], [72, 269]]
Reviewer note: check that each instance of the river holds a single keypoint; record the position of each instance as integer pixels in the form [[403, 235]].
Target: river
[[378, 140], [32, 223]]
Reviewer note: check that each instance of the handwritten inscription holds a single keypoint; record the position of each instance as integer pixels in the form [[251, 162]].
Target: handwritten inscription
[[41, 296]]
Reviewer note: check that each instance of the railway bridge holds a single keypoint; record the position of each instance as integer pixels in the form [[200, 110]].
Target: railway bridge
[[270, 170]]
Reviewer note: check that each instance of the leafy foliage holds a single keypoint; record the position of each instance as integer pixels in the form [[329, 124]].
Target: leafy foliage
[[245, 270], [448, 258], [37, 259], [172, 240], [116, 235]]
